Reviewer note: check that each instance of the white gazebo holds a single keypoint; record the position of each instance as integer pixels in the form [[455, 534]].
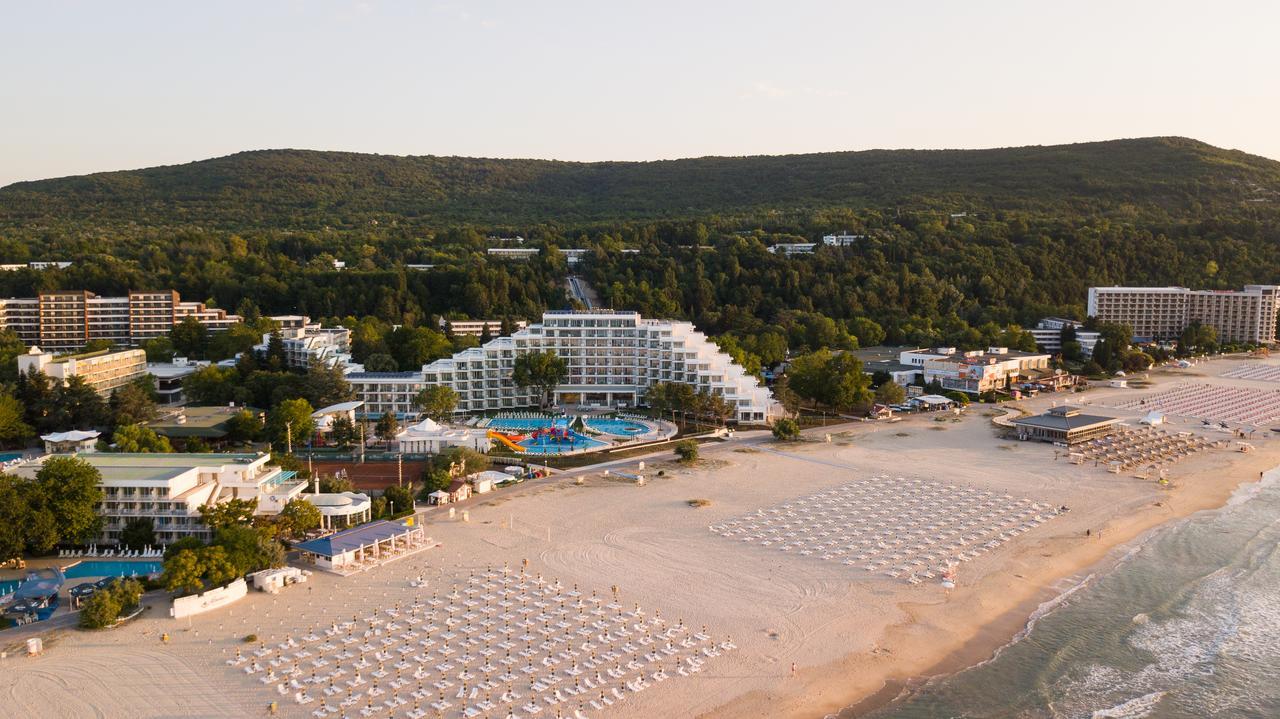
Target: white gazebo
[[341, 509], [74, 441]]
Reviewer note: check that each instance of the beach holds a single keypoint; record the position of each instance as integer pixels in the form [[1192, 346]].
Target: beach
[[813, 637]]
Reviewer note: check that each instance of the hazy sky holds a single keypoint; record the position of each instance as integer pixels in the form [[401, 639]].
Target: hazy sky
[[95, 86]]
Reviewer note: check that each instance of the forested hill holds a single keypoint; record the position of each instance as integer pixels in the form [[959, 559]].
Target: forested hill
[[308, 189]]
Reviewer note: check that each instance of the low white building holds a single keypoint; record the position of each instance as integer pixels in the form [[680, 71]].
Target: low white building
[[169, 489], [168, 377], [788, 249], [513, 253], [973, 372], [843, 239], [429, 437], [339, 510], [305, 342], [68, 442], [1048, 334]]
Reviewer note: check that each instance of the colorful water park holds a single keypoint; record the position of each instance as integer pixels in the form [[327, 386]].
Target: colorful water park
[[528, 433]]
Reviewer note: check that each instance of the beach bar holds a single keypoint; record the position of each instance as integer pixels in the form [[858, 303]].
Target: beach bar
[[1064, 425], [361, 547]]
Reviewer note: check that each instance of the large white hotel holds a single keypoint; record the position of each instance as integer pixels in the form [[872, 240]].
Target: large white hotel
[[612, 357], [1162, 313]]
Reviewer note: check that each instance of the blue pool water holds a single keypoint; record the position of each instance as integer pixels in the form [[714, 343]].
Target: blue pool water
[[9, 456], [108, 568], [622, 427], [548, 445], [8, 586]]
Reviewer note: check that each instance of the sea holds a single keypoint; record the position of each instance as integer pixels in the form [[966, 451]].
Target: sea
[[1186, 624]]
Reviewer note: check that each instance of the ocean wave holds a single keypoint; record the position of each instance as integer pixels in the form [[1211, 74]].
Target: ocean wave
[[1135, 708]]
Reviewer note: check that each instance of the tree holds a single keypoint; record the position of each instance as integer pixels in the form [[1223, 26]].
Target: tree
[[380, 362], [69, 489], [138, 439], [134, 403], [159, 349], [786, 430], [543, 371], [190, 337], [15, 515], [13, 430], [100, 611], [138, 533], [782, 392], [211, 385], [76, 405], [436, 402], [243, 426], [299, 517], [277, 359], [249, 549], [434, 479], [400, 499], [1197, 336], [291, 423], [387, 427], [958, 397], [325, 384], [470, 460], [687, 450], [193, 543], [183, 572], [890, 393], [231, 513], [216, 566], [342, 432]]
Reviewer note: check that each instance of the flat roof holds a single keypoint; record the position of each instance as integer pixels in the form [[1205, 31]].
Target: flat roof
[[200, 421], [1065, 422], [354, 538]]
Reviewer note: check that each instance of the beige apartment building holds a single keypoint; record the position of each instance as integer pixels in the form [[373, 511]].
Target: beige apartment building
[[1162, 313], [69, 320], [105, 371]]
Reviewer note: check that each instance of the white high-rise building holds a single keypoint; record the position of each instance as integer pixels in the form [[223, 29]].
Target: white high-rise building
[[612, 358], [1162, 313]]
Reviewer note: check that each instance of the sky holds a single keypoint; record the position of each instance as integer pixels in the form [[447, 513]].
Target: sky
[[93, 86]]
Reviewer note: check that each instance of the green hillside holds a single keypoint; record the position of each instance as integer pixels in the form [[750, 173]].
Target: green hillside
[[300, 188]]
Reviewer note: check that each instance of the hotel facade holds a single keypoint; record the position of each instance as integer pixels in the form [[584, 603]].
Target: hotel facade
[[613, 358], [1162, 313], [170, 489], [104, 371], [69, 320]]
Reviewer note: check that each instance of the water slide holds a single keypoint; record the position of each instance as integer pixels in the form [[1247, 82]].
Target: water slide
[[505, 440]]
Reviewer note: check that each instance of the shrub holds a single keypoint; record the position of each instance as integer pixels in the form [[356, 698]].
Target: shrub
[[698, 503], [250, 638], [687, 450], [786, 430], [101, 610]]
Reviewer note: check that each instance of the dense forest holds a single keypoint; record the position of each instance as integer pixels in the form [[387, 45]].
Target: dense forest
[[958, 244]]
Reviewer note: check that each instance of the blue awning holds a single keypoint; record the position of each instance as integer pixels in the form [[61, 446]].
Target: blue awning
[[348, 539]]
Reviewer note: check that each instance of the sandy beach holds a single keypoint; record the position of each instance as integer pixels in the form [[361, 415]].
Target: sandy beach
[[812, 636]]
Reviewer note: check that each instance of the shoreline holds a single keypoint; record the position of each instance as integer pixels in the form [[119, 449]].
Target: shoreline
[[861, 683]]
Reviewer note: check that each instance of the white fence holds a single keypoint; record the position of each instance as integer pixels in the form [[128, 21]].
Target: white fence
[[213, 599]]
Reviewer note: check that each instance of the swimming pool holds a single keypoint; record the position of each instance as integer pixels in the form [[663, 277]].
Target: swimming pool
[[621, 427], [108, 568], [10, 456], [547, 445], [8, 586]]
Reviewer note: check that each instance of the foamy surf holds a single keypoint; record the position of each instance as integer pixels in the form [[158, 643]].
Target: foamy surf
[[1135, 708]]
